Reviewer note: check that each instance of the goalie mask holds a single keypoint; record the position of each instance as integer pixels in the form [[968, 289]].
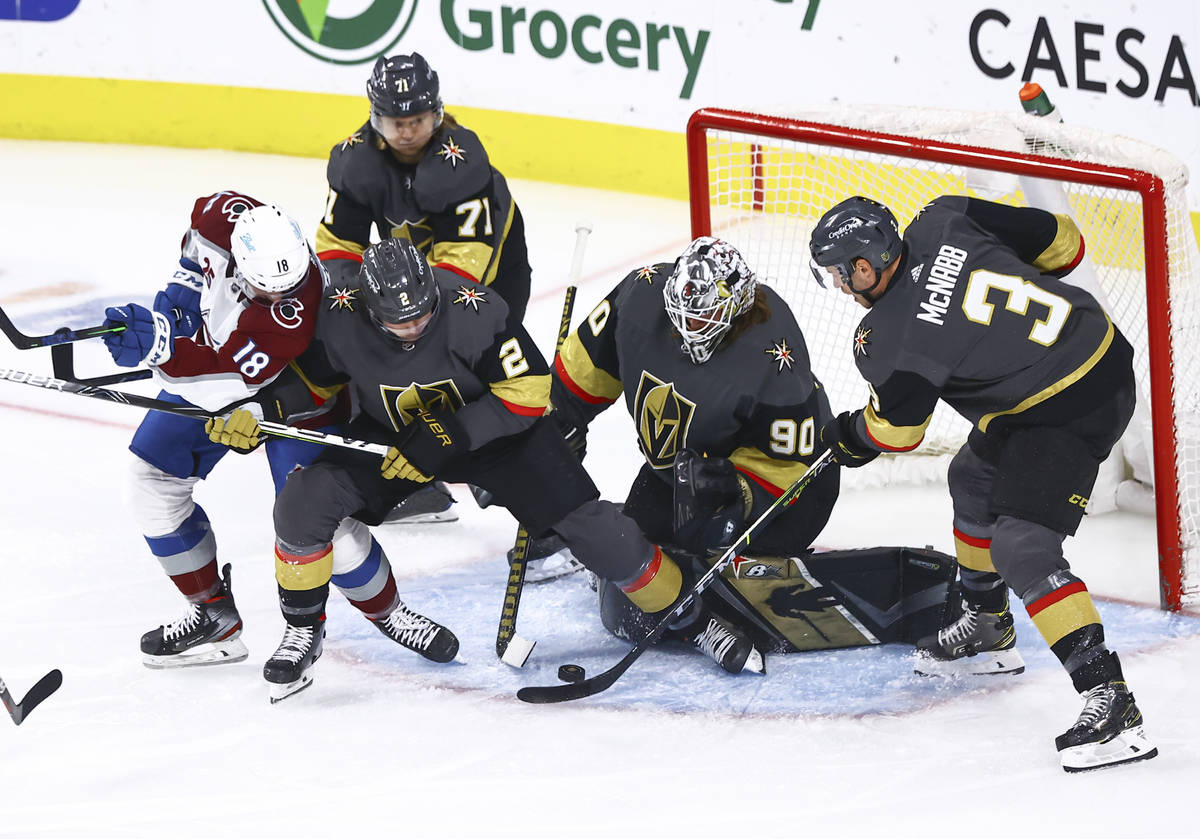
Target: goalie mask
[[857, 228], [399, 288], [709, 288], [270, 254]]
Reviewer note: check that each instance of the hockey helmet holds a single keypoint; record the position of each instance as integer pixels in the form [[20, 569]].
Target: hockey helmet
[[270, 253], [404, 85], [710, 286], [857, 228], [399, 288]]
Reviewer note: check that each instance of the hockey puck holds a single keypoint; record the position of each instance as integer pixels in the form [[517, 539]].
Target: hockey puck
[[570, 673]]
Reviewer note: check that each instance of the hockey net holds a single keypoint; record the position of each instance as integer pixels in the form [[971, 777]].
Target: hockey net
[[761, 182]]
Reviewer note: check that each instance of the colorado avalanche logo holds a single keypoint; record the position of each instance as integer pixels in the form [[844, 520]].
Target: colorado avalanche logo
[[233, 207], [288, 313]]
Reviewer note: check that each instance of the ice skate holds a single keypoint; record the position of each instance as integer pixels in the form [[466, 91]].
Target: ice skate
[[289, 669], [1107, 733], [547, 559], [206, 634], [429, 505], [419, 634], [725, 644], [978, 643]]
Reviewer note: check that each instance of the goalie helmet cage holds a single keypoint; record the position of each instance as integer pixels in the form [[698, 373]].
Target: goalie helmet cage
[[762, 181]]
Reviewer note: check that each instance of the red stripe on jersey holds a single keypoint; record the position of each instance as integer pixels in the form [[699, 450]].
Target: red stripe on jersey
[[1055, 596], [973, 541], [1067, 269], [566, 379], [462, 272], [332, 254], [888, 448], [649, 574], [767, 485], [522, 410]]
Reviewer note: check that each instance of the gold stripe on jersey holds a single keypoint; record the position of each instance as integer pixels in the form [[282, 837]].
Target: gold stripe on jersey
[[490, 276], [326, 241], [303, 573], [471, 257], [323, 392], [778, 473], [973, 557], [1060, 619], [1059, 386], [598, 384], [896, 438], [526, 395], [1063, 249]]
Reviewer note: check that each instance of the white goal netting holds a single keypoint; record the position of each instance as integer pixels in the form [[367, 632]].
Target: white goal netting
[[762, 182]]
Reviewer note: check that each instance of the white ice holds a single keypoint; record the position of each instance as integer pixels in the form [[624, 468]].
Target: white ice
[[386, 744]]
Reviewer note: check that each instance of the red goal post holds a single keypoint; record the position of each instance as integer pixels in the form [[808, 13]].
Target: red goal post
[[762, 181]]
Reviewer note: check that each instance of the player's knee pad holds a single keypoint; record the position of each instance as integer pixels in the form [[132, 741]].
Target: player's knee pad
[[970, 479], [303, 516], [1044, 475], [160, 503], [1025, 553], [607, 542], [352, 543]]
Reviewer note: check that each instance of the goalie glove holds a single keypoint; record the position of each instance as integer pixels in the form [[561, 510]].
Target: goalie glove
[[148, 336], [711, 501], [180, 300], [240, 431], [840, 435]]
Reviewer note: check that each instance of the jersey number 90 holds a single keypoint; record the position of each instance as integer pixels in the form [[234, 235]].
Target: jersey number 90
[[790, 438]]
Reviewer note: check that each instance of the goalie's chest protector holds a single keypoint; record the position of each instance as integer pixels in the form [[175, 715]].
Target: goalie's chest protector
[[677, 404]]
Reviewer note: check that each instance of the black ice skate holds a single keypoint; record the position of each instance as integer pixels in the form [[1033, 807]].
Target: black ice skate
[[428, 505], [419, 634], [978, 643], [289, 669], [206, 634], [1107, 733], [725, 644], [547, 558]]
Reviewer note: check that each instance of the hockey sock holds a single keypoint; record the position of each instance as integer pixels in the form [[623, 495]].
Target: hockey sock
[[200, 585], [657, 585], [984, 589], [1063, 612], [371, 586], [188, 555], [303, 607]]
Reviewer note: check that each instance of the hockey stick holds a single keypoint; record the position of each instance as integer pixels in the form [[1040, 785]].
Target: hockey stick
[[62, 356], [275, 429], [37, 694], [596, 684], [511, 648], [62, 335]]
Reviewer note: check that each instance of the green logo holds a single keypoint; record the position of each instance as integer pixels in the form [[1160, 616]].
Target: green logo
[[342, 40]]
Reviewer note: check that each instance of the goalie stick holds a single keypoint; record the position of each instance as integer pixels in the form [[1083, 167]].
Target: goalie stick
[[275, 429], [37, 694], [63, 335], [605, 680], [511, 648]]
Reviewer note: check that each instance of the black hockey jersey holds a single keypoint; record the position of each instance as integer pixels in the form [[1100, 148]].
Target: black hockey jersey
[[491, 375], [975, 315], [452, 204], [754, 401]]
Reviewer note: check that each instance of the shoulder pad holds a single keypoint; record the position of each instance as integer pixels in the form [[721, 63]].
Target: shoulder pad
[[353, 161], [213, 215], [455, 167]]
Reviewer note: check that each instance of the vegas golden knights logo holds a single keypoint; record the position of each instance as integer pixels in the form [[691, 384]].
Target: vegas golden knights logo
[[663, 418], [403, 403]]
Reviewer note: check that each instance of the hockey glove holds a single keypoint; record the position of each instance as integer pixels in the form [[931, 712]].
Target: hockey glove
[[711, 501], [840, 435], [148, 336], [395, 465], [239, 431], [180, 300], [434, 438]]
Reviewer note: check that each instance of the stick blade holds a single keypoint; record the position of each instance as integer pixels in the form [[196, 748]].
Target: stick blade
[[45, 686], [517, 651]]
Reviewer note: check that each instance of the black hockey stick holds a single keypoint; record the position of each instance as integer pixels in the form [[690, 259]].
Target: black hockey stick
[[516, 654], [37, 694], [275, 429], [62, 356], [63, 335], [605, 680]]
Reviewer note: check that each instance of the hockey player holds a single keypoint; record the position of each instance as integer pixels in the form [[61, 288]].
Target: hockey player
[[969, 307], [458, 390], [715, 373], [242, 304], [415, 173]]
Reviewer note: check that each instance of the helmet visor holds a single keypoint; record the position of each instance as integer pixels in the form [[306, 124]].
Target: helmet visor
[[829, 276]]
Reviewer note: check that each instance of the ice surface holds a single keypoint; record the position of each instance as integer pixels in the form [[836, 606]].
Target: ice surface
[[385, 743]]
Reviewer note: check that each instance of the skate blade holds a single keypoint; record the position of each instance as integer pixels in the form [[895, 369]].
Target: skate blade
[[553, 567], [1128, 746], [229, 651], [755, 663], [1000, 662], [447, 515], [278, 693]]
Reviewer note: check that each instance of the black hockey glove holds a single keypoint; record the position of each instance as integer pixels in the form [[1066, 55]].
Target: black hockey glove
[[840, 436], [711, 501], [433, 439]]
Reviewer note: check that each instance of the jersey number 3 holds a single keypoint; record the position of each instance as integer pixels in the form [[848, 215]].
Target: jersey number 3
[[1020, 293]]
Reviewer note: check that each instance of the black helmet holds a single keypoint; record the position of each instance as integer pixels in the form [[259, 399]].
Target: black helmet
[[404, 85], [857, 228], [397, 283]]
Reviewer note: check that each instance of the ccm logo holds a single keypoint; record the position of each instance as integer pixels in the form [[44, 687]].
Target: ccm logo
[[1078, 501]]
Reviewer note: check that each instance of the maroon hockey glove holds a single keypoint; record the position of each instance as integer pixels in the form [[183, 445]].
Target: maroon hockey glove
[[434, 438], [840, 435]]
